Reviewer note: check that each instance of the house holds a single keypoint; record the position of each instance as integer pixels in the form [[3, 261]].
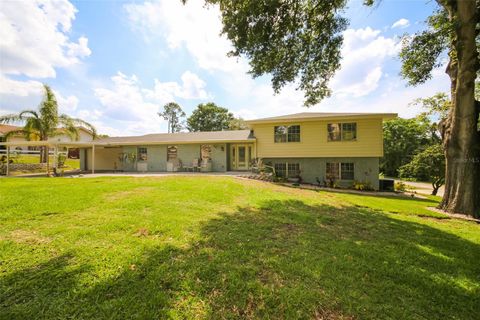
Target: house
[[345, 147], [84, 135]]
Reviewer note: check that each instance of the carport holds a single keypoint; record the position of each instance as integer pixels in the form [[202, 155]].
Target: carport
[[49, 144]]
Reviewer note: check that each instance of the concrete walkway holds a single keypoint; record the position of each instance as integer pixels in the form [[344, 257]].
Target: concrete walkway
[[158, 174]]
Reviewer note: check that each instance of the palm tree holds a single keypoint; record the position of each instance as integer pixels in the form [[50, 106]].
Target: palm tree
[[46, 122]]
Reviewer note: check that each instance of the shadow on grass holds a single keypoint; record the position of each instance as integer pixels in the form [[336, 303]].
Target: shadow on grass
[[283, 260]]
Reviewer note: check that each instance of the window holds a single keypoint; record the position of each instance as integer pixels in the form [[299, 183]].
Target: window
[[293, 134], [206, 152], [349, 131], [281, 133], [287, 133], [343, 171], [333, 171], [142, 154], [347, 171], [281, 169], [287, 170], [342, 131], [171, 153], [334, 132], [293, 170]]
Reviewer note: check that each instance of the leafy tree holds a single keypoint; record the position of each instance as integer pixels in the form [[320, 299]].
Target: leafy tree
[[300, 41], [428, 165], [453, 29], [46, 122], [173, 113], [238, 124], [209, 117], [402, 139], [437, 107]]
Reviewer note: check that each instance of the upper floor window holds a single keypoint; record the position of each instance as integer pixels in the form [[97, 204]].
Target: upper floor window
[[287, 133], [142, 154], [342, 131]]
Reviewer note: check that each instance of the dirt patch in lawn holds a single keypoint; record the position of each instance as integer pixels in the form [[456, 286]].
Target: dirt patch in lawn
[[118, 195], [454, 215], [27, 237]]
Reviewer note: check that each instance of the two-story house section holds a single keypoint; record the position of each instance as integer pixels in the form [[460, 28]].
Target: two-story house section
[[344, 147], [318, 147]]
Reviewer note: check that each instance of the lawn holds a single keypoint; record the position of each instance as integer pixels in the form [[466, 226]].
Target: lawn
[[221, 247], [26, 158]]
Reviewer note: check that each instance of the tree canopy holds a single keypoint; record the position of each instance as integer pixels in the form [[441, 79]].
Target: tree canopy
[[173, 113], [427, 165], [298, 40], [402, 139], [210, 117]]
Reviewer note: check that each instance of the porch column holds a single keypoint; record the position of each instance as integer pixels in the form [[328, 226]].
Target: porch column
[[93, 158], [47, 148], [55, 156], [8, 160]]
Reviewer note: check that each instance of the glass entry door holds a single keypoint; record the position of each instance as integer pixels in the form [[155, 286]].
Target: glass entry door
[[240, 155]]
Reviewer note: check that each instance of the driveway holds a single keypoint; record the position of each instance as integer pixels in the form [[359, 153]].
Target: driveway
[[423, 187]]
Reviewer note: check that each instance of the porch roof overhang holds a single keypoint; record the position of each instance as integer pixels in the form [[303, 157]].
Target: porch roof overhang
[[72, 144], [75, 144]]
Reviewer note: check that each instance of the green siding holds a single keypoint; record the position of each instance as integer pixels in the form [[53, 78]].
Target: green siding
[[187, 152], [129, 166], [219, 157], [157, 158], [366, 169]]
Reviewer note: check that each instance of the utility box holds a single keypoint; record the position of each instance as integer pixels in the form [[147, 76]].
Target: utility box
[[386, 184]]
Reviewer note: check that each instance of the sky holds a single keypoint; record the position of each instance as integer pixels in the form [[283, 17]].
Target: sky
[[116, 63]]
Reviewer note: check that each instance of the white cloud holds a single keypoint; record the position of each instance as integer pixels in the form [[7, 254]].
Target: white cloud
[[364, 52], [401, 23], [20, 95], [35, 38], [66, 105], [19, 88], [192, 88], [190, 25], [136, 107]]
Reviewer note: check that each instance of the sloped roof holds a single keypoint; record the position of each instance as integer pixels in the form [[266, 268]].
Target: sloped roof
[[180, 137], [322, 115], [6, 128]]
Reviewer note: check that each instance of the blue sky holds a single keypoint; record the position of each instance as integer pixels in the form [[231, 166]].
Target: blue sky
[[116, 63]]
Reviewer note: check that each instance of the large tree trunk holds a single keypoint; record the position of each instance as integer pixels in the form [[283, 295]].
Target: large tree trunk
[[461, 138]]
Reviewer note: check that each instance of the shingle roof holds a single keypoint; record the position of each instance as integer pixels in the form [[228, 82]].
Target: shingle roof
[[6, 128], [179, 137], [321, 115]]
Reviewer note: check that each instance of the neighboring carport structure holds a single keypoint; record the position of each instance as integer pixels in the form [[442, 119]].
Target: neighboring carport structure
[[55, 145]]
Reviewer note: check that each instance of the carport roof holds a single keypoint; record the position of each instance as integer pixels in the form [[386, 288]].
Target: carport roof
[[149, 139], [181, 137]]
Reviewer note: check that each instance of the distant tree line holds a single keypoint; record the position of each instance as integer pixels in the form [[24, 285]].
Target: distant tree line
[[206, 117]]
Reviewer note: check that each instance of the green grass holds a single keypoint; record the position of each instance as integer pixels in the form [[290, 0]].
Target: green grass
[[220, 247]]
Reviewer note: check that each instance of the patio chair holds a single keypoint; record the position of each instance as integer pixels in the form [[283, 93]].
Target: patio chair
[[195, 165]]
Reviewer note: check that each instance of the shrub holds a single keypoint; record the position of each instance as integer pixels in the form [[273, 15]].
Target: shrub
[[362, 186], [400, 186]]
